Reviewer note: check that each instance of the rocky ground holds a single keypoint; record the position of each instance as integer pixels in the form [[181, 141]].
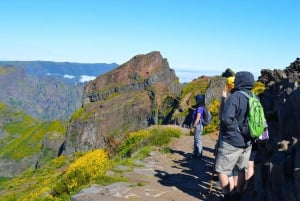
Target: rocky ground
[[164, 176]]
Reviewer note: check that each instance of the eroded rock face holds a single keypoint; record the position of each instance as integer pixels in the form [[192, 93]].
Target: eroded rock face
[[277, 161], [126, 99], [281, 100]]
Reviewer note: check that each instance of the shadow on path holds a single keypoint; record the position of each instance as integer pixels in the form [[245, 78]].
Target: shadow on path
[[194, 178]]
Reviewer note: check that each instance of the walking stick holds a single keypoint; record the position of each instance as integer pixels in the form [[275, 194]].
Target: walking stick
[[211, 184]]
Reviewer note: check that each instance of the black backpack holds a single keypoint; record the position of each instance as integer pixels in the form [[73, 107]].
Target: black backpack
[[205, 120]]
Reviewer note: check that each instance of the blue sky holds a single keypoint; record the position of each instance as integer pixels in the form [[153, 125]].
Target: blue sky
[[196, 36]]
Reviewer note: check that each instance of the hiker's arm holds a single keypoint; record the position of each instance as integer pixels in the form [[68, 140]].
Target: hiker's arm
[[198, 116], [225, 93], [228, 113], [221, 106]]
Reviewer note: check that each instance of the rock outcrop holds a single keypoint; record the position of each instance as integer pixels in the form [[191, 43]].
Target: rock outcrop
[[277, 166], [130, 97]]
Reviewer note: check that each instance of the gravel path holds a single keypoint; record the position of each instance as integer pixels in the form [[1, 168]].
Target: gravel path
[[164, 177]]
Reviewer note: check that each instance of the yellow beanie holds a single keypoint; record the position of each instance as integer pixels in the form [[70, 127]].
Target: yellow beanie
[[258, 88], [230, 80]]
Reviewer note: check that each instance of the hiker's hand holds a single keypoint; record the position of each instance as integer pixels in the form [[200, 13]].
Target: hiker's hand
[[192, 130], [224, 93]]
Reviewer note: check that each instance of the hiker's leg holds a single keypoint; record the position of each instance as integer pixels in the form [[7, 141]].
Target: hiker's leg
[[235, 193], [250, 168], [231, 183], [227, 157], [242, 164], [197, 141], [226, 183], [200, 140], [240, 181], [235, 175]]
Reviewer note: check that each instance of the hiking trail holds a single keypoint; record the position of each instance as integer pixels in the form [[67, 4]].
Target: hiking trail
[[162, 176]]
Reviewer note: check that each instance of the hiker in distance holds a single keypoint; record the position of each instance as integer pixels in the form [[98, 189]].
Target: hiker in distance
[[197, 127], [234, 148]]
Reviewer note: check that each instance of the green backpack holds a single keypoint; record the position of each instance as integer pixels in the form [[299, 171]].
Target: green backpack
[[256, 117]]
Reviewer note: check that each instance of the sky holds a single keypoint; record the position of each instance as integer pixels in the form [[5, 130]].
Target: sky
[[197, 37]]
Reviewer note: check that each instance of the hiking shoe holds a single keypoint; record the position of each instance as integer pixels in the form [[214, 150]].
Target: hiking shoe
[[193, 156], [235, 196], [225, 197], [197, 157]]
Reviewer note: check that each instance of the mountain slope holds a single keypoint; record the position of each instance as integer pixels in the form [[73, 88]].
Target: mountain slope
[[44, 98], [25, 141]]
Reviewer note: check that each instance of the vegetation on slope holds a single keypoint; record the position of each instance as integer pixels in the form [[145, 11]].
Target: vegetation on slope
[[22, 134], [66, 175]]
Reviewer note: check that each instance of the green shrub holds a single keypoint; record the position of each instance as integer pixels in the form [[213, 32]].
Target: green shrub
[[154, 136], [160, 137], [132, 142]]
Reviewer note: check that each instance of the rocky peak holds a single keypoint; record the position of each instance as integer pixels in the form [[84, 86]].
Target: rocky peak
[[128, 98], [138, 73]]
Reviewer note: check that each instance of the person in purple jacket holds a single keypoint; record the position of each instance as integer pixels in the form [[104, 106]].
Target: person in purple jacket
[[197, 126], [234, 146]]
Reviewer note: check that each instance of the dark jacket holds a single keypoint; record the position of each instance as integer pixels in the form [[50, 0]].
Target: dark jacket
[[235, 111]]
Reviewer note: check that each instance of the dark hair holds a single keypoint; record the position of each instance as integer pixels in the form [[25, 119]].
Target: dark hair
[[200, 99]]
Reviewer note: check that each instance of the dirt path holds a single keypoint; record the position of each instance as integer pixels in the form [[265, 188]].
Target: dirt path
[[164, 177]]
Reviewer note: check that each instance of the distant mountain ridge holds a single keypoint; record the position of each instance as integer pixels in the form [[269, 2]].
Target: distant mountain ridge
[[47, 90], [46, 98], [69, 72]]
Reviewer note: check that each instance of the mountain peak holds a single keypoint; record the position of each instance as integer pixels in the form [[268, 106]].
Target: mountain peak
[[128, 98]]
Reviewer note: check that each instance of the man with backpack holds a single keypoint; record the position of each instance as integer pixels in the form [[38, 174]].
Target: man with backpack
[[234, 146], [201, 117]]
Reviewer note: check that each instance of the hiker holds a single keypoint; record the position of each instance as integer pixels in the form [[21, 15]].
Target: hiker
[[236, 172], [229, 85], [197, 126], [234, 147]]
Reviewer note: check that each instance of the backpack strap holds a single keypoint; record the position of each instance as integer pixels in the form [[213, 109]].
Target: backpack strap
[[245, 119], [245, 94]]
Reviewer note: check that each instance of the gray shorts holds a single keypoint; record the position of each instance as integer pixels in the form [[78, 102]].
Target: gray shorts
[[229, 156]]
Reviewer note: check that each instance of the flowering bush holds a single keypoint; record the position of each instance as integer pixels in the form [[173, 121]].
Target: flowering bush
[[214, 124], [58, 162], [85, 170]]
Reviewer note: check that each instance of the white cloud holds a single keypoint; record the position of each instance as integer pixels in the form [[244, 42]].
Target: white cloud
[[69, 76], [86, 78]]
